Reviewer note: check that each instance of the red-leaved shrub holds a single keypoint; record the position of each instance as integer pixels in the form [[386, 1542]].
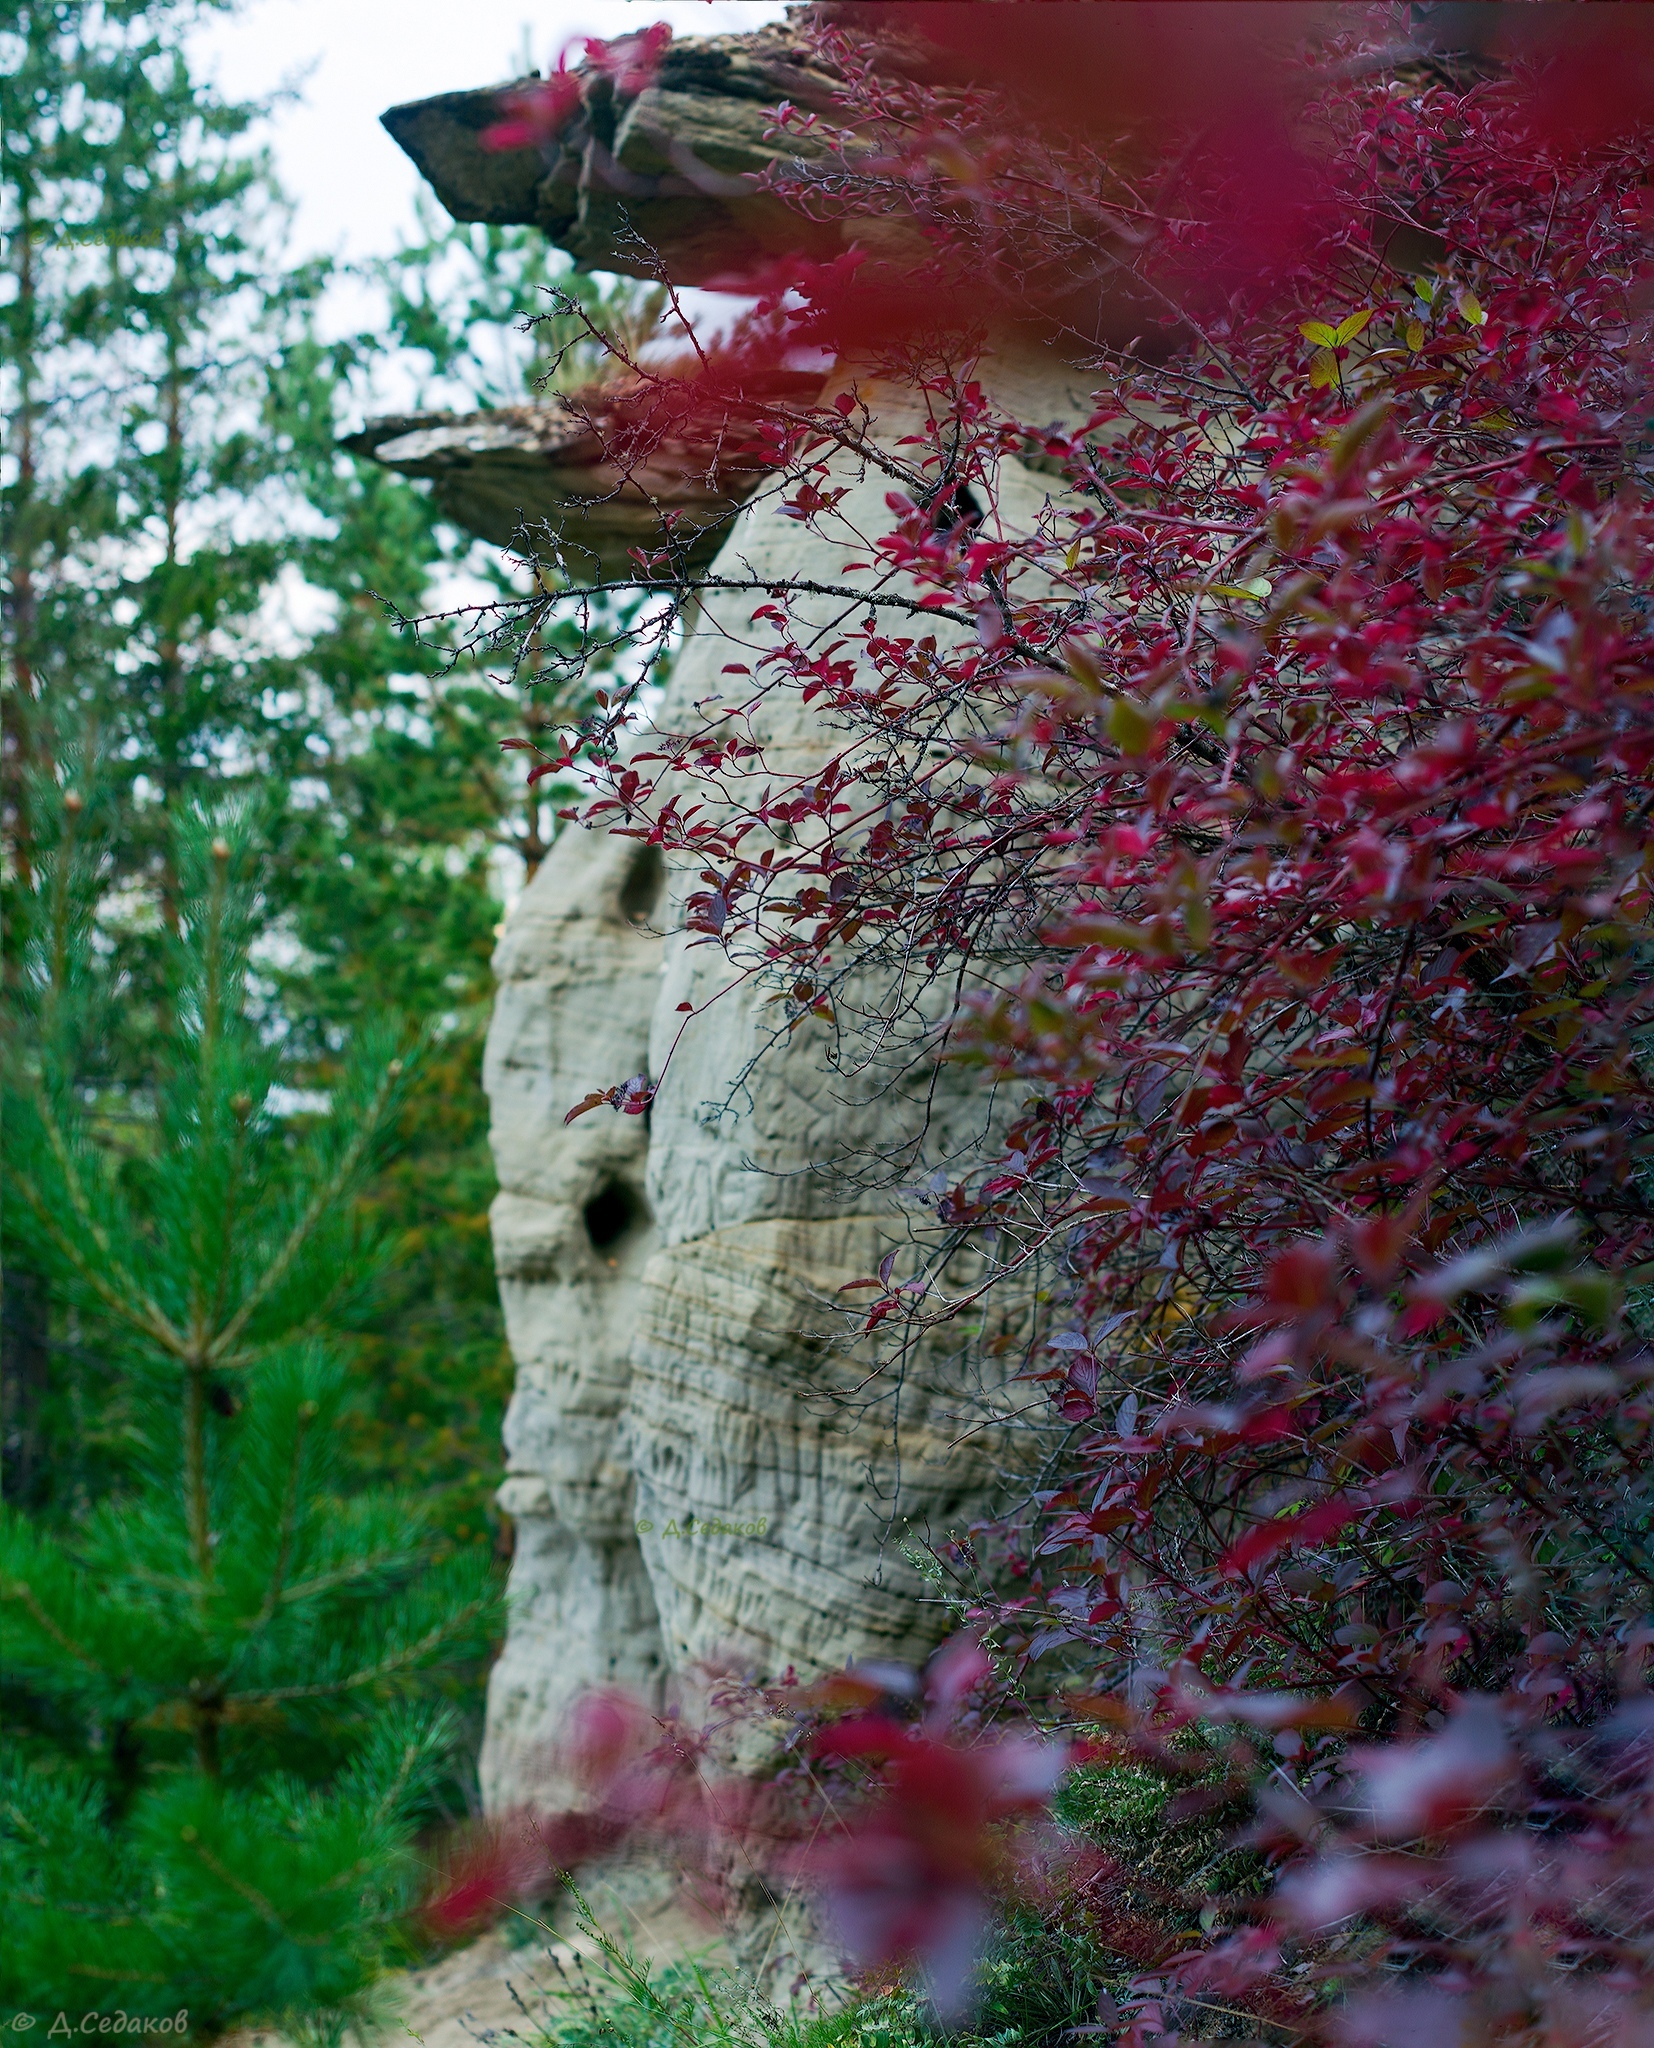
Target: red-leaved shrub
[[1280, 807]]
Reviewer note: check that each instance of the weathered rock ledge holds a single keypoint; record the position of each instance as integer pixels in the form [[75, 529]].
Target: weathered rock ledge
[[661, 183], [556, 480]]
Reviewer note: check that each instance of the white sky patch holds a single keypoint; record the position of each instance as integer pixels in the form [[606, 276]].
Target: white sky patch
[[285, 1102], [294, 613]]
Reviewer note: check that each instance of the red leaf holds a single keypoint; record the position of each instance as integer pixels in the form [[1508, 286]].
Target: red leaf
[[1268, 1539]]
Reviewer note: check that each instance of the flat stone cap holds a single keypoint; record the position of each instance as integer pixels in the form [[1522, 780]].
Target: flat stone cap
[[579, 482], [660, 183]]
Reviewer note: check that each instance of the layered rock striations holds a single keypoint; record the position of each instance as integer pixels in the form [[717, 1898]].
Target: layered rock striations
[[544, 479], [702, 1465], [578, 968], [595, 485]]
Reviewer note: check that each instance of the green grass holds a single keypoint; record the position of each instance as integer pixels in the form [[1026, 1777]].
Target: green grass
[[1110, 1801], [613, 2000], [1039, 1980]]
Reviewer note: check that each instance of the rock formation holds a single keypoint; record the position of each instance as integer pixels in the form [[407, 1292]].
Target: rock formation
[[658, 183], [701, 1464], [543, 476], [583, 482], [673, 1294], [579, 973]]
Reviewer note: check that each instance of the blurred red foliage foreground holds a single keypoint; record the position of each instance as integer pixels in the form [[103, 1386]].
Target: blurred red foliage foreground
[[1271, 812]]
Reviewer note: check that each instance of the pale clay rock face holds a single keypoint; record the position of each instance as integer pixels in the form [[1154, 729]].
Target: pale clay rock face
[[672, 1292]]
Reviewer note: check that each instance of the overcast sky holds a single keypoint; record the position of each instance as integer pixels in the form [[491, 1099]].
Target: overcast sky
[[350, 59]]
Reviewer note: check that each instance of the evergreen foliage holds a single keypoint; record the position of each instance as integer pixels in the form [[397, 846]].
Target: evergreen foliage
[[214, 1662], [204, 594], [199, 595], [255, 1365]]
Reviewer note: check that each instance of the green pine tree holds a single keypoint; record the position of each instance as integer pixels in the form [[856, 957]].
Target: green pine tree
[[203, 593], [220, 1757], [202, 597], [404, 817]]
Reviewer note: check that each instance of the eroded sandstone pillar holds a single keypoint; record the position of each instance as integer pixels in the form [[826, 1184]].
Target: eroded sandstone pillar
[[698, 1365]]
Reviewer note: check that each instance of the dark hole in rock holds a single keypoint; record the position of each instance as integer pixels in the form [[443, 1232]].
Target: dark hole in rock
[[608, 1216], [958, 508], [645, 879]]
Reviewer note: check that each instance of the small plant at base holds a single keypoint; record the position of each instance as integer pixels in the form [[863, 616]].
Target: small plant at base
[[624, 2003]]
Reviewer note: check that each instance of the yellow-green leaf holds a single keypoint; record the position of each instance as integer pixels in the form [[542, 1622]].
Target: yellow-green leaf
[[1109, 931], [1323, 369], [1319, 332], [1130, 725], [1470, 306], [1358, 432], [1082, 664], [1350, 327], [1413, 335], [1426, 289]]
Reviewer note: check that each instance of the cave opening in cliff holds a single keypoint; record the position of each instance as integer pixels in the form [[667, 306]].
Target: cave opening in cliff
[[610, 1215], [645, 878]]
